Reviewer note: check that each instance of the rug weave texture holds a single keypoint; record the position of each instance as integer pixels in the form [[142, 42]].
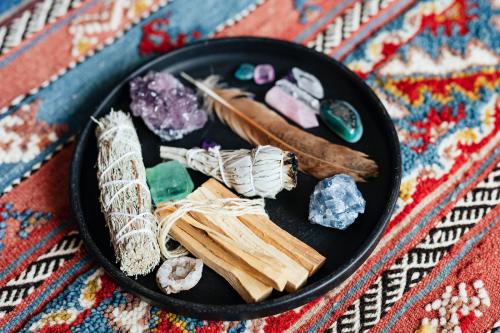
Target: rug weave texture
[[433, 63]]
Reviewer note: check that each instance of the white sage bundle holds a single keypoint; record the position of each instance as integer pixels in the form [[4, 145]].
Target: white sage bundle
[[263, 171], [124, 195]]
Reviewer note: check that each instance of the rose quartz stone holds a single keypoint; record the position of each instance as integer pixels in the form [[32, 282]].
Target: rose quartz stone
[[291, 108]]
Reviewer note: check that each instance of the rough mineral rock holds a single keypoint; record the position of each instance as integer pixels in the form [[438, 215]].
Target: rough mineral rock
[[306, 81], [263, 74], [336, 202], [169, 181], [178, 274], [168, 108], [342, 119], [245, 72]]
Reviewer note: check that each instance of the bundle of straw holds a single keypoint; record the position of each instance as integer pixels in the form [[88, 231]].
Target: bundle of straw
[[124, 195], [263, 171]]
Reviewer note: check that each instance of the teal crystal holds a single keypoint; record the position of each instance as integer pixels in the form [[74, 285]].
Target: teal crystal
[[342, 118], [245, 72], [168, 181]]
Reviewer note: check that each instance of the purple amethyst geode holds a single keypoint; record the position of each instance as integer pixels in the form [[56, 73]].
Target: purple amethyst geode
[[168, 108]]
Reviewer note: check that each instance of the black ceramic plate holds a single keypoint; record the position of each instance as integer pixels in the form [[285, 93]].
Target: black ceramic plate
[[345, 251]]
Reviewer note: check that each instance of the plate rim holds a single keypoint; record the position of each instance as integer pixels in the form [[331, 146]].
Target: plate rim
[[236, 311]]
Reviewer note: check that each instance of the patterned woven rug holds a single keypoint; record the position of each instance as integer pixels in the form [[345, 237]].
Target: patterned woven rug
[[433, 63]]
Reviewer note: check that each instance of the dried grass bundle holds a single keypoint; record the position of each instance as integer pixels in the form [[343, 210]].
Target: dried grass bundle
[[263, 171], [124, 195]]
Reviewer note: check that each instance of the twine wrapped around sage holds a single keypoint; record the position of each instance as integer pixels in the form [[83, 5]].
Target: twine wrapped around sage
[[124, 195], [263, 171]]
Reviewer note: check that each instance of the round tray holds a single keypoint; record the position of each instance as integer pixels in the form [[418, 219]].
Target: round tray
[[213, 297]]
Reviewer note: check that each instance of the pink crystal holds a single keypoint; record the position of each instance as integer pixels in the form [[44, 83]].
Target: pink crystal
[[264, 73], [291, 108], [168, 108]]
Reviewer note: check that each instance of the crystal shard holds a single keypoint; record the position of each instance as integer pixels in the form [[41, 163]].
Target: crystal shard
[[291, 108], [336, 202], [168, 181], [168, 108], [297, 93], [307, 82]]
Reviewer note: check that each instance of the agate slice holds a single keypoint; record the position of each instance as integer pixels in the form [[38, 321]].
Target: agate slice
[[342, 119], [168, 108], [336, 202], [291, 108], [307, 82], [179, 274]]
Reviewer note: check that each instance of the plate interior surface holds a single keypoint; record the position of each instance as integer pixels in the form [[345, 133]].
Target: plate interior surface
[[345, 250]]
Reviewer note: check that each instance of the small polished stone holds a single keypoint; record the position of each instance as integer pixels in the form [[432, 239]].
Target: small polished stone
[[244, 72], [336, 202], [291, 108], [342, 118], [264, 73], [168, 181], [307, 82]]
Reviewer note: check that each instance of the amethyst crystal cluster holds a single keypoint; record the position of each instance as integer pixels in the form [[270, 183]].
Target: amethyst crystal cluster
[[168, 108]]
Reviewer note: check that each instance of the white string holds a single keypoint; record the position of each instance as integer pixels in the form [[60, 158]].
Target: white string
[[120, 235], [252, 162], [112, 129], [118, 160], [225, 207], [221, 168], [127, 183], [281, 173]]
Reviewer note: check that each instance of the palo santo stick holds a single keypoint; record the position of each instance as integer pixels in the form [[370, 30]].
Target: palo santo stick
[[264, 268], [296, 275], [201, 246], [302, 253]]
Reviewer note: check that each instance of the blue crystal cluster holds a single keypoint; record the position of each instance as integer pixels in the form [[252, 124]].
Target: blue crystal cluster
[[336, 202]]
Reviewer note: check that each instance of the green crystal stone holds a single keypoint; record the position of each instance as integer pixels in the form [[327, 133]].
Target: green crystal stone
[[342, 118], [168, 181], [244, 72]]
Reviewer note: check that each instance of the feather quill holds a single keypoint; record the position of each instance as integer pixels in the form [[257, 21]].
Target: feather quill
[[257, 124]]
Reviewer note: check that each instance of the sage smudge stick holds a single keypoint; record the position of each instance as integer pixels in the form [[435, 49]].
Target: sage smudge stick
[[263, 171], [124, 195]]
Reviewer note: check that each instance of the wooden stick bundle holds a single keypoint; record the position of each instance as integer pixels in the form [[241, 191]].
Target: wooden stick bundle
[[252, 253]]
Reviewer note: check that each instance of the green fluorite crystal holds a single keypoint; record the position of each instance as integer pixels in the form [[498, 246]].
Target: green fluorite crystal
[[168, 181], [342, 119]]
